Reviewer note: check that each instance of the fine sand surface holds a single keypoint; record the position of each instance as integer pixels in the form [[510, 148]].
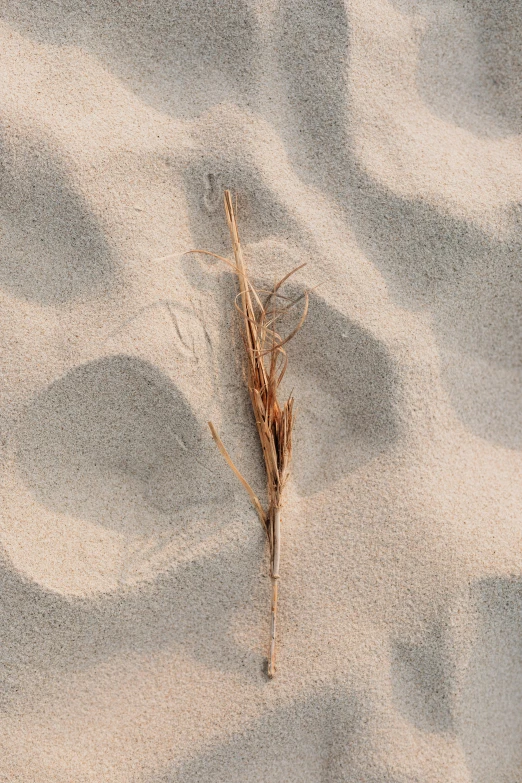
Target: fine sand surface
[[380, 141]]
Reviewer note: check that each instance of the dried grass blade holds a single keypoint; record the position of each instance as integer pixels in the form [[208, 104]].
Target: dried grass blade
[[293, 332], [274, 424], [228, 459], [214, 255], [286, 277]]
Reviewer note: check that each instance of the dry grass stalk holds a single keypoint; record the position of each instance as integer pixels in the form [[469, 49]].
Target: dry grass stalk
[[266, 364]]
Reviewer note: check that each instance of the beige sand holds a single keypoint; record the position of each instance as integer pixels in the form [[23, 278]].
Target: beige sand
[[378, 140]]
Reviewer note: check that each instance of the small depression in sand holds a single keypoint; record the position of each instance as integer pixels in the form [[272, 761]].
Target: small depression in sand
[[109, 480], [470, 65], [347, 391], [52, 248], [178, 57]]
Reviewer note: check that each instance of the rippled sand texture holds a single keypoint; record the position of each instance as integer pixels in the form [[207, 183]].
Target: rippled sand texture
[[378, 140]]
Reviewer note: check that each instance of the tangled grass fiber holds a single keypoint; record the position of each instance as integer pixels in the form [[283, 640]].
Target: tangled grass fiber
[[265, 367]]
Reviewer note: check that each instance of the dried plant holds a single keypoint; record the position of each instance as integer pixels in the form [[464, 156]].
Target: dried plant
[[265, 366]]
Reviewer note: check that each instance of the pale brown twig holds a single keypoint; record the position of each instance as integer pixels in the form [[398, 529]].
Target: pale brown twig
[[265, 367]]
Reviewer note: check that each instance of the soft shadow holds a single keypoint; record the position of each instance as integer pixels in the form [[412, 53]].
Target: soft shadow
[[110, 437], [305, 742], [180, 57], [423, 681], [312, 44], [189, 610], [114, 439], [52, 248], [491, 718], [470, 282], [470, 65], [347, 390], [319, 737]]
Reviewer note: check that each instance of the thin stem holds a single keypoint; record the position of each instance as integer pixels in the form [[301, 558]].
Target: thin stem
[[274, 423], [273, 630], [275, 524], [277, 543], [228, 459]]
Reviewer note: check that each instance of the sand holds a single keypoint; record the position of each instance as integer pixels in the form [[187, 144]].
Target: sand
[[379, 141]]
